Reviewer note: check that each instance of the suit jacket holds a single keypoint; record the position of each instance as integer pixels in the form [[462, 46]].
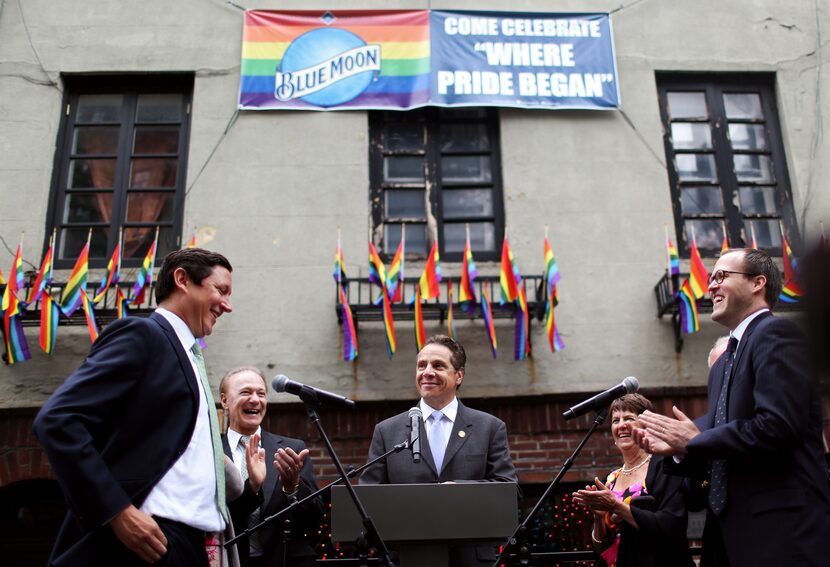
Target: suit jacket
[[778, 499], [114, 428], [271, 499], [477, 451]]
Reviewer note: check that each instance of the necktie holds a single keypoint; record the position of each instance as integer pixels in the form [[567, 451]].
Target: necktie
[[717, 481], [218, 454], [437, 439], [253, 519]]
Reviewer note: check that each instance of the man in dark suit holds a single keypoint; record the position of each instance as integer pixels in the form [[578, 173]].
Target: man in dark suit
[[243, 393], [769, 500], [458, 444], [131, 436]]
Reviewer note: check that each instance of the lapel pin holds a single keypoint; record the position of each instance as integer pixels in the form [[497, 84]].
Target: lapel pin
[[462, 434]]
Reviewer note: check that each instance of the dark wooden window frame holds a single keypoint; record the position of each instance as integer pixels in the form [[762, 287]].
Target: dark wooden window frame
[[129, 86], [714, 85], [432, 182]]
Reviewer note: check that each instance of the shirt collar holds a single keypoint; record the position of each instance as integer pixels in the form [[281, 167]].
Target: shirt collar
[[741, 328], [179, 326], [234, 436], [450, 410]]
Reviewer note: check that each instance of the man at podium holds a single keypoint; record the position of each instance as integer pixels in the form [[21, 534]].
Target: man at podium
[[458, 444]]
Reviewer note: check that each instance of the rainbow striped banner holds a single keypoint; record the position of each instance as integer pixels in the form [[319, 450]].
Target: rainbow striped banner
[[402, 59], [431, 276], [467, 293], [349, 332], [420, 331], [689, 322], [699, 276], [71, 297], [17, 350], [49, 314], [487, 314]]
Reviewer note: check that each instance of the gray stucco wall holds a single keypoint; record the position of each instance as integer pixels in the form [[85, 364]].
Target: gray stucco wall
[[280, 183]]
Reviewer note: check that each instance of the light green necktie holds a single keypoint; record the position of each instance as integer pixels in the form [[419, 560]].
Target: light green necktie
[[218, 453]]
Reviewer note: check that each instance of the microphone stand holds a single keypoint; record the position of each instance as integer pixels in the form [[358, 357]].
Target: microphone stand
[[523, 555], [309, 398]]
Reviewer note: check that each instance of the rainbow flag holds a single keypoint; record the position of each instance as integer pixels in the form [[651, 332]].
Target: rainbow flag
[[113, 274], [339, 273], [699, 277], [389, 325], [556, 343], [450, 320], [394, 277], [377, 271], [49, 313], [792, 291], [120, 304], [349, 332], [144, 278], [552, 275], [89, 311], [509, 276], [753, 243], [522, 346], [17, 349], [420, 332], [392, 46], [192, 242], [466, 291], [673, 262], [44, 276], [15, 283], [2, 279], [725, 245], [428, 283], [71, 298], [487, 313], [688, 309]]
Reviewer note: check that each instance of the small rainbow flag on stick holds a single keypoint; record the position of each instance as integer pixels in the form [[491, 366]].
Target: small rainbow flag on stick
[[431, 276], [509, 276], [450, 320], [522, 347], [89, 311], [71, 297], [725, 245], [552, 277], [792, 291], [488, 320], [420, 332], [120, 304], [688, 309], [339, 273], [17, 350], [672, 258], [144, 278], [349, 331], [113, 272], [466, 291], [394, 277], [49, 314], [699, 276], [388, 323], [44, 275], [16, 281]]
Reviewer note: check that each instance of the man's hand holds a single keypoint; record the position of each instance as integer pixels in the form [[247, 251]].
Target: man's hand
[[664, 435], [288, 463], [140, 533], [255, 461]]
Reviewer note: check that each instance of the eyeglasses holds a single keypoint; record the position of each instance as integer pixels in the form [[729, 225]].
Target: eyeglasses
[[718, 276]]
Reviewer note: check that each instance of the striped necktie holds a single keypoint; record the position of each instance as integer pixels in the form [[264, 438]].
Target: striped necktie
[[717, 476], [218, 454]]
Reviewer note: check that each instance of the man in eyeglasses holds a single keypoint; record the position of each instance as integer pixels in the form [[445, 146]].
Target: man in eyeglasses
[[769, 499]]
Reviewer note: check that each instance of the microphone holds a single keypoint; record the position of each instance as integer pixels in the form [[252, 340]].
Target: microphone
[[308, 393], [415, 417], [627, 386]]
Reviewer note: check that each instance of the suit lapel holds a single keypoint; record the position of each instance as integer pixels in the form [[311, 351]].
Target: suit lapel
[[226, 446], [745, 339], [270, 443], [460, 431], [184, 360]]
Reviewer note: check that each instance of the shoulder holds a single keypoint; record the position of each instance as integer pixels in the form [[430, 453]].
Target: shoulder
[[394, 421], [269, 438], [477, 416]]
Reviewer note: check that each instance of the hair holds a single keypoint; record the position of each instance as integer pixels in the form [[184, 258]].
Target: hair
[[720, 344], [760, 263], [635, 403], [234, 371], [197, 262], [458, 358]]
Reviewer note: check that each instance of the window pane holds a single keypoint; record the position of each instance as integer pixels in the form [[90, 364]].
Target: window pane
[[460, 203], [91, 173], [148, 207], [758, 200], [416, 238], [73, 241], [691, 136], [404, 204], [464, 136], [156, 140], [687, 105], [696, 167], [137, 242], [465, 168], [701, 200], [88, 207], [153, 172], [482, 237], [743, 105], [748, 136], [95, 140], [753, 168], [403, 168], [767, 233], [99, 108], [159, 108], [405, 136], [708, 233]]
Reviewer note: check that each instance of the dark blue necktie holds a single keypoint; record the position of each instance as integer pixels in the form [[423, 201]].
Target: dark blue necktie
[[717, 481]]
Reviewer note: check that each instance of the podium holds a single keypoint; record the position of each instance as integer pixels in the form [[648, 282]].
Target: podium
[[422, 520]]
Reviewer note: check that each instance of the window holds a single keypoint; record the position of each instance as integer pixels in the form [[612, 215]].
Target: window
[[726, 161], [437, 171], [120, 165]]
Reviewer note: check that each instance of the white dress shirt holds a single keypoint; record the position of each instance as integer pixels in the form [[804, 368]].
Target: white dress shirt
[[450, 411], [187, 492]]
